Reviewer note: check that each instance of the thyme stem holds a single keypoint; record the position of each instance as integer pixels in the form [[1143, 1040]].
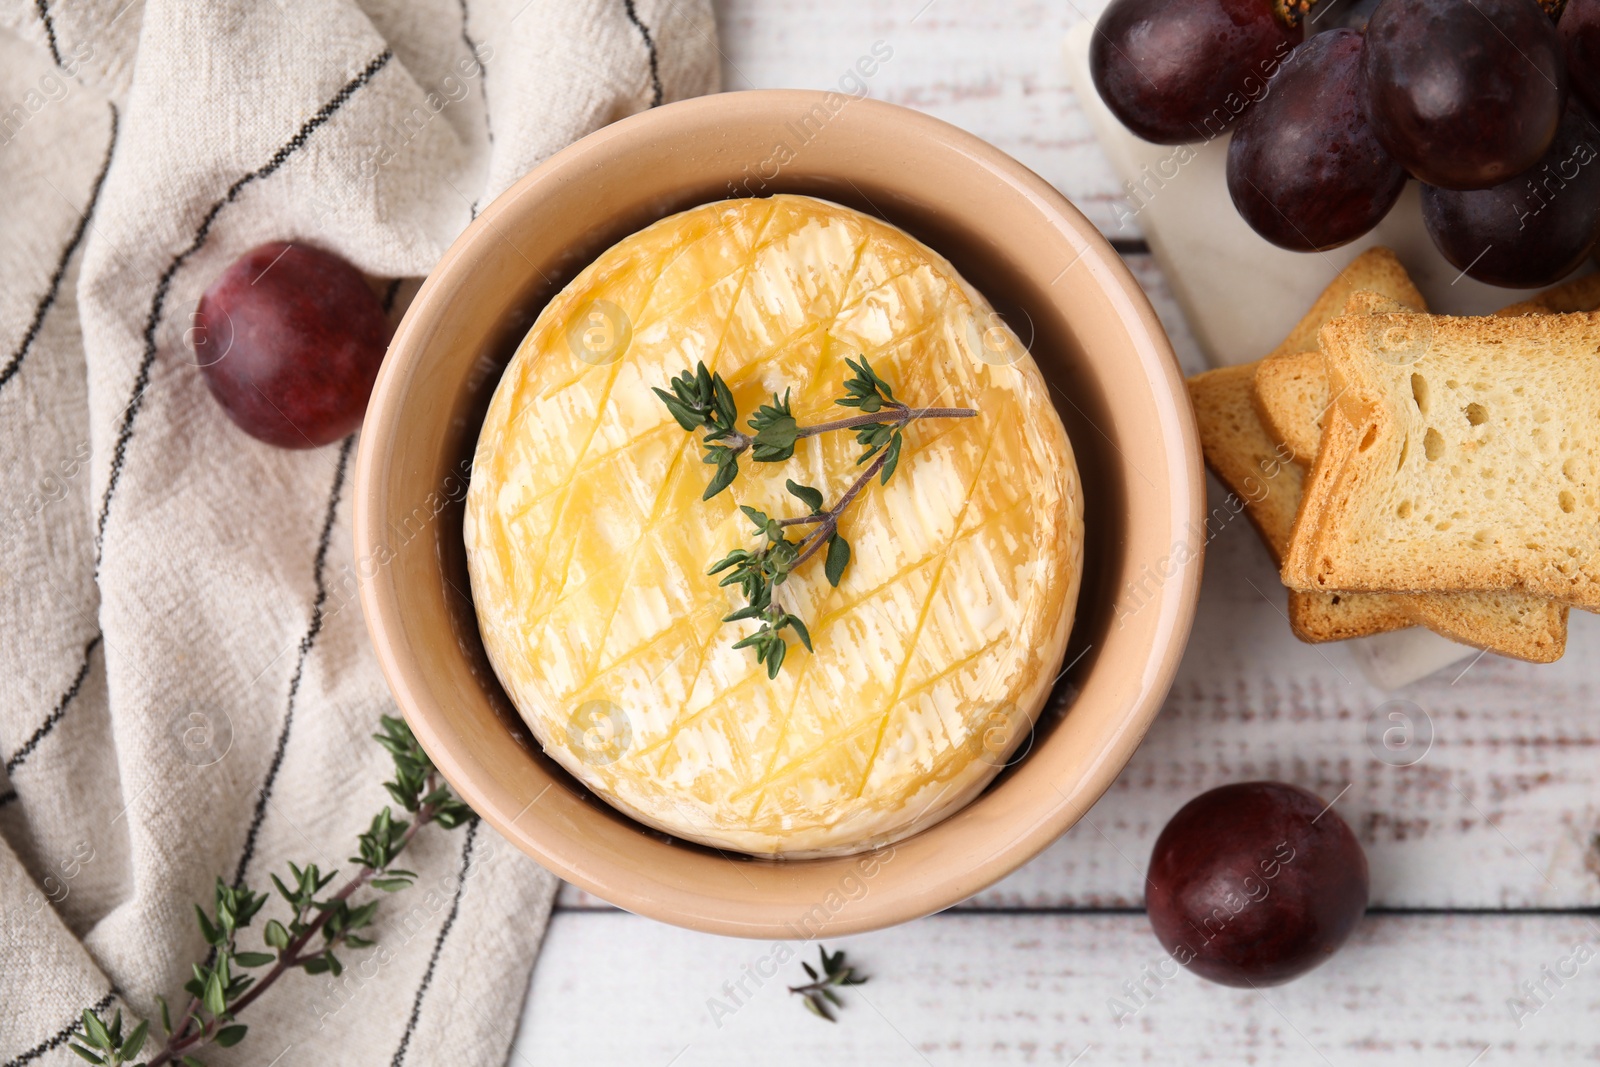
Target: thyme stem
[[182, 1040], [898, 415], [903, 416], [700, 400], [830, 522], [223, 986]]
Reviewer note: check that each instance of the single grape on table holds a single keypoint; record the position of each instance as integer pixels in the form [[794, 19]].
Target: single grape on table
[[1256, 883], [293, 337]]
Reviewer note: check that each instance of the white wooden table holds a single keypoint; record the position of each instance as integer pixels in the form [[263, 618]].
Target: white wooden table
[[1483, 868]]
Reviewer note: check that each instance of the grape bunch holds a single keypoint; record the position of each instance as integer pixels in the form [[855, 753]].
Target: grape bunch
[[1334, 104]]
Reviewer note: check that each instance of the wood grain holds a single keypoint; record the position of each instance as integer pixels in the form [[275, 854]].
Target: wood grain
[[992, 69], [1407, 990]]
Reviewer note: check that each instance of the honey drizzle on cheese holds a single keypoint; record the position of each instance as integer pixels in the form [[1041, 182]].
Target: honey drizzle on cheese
[[588, 542]]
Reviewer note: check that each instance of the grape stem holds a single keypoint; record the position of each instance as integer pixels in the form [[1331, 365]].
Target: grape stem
[[1292, 12]]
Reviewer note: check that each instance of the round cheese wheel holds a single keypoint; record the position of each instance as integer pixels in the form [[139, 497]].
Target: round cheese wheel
[[588, 542]]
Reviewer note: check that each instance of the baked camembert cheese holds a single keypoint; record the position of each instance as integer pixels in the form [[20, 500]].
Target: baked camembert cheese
[[588, 542]]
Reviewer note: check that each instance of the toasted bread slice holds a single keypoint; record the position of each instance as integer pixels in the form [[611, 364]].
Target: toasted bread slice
[[1512, 624], [1580, 295], [1292, 400], [1469, 465], [1291, 386], [1253, 467]]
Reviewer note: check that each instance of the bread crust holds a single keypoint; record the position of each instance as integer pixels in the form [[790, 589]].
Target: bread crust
[[1580, 295], [1555, 359], [1253, 467], [1376, 270], [1292, 400]]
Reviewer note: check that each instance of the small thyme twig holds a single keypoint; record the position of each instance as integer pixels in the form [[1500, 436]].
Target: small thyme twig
[[217, 993], [903, 416], [702, 400], [828, 522], [818, 993]]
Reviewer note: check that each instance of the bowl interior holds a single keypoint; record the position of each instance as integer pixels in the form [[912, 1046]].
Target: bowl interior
[[1049, 274]]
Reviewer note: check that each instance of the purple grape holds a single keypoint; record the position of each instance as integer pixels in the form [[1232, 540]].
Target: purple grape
[[1177, 71], [1579, 30], [293, 337], [1255, 884], [1464, 94], [1304, 168], [1535, 228]]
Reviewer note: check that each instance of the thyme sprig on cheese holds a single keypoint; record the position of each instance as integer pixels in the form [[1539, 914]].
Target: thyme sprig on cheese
[[702, 400]]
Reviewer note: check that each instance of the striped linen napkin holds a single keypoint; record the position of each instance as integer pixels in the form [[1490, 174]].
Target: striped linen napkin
[[186, 685]]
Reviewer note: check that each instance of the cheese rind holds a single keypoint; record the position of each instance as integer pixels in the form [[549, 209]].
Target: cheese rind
[[588, 542]]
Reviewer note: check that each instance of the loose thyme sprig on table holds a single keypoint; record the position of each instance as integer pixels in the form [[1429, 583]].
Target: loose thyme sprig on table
[[702, 400], [220, 989], [818, 992]]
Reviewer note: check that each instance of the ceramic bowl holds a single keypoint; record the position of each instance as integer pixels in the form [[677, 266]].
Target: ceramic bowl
[[1056, 281]]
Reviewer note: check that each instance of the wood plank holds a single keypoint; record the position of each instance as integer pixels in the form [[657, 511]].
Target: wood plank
[[995, 70], [1029, 989]]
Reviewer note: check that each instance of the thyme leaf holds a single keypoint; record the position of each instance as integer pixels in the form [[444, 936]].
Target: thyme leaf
[[702, 401], [314, 926], [818, 994]]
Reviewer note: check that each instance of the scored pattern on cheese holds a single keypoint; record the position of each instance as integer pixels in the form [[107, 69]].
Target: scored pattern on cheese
[[588, 541]]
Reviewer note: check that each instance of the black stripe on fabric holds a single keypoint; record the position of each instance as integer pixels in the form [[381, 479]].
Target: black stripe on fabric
[[438, 946], [483, 75], [319, 579], [650, 43], [7, 797], [390, 293], [49, 30], [142, 379], [61, 1037], [56, 713], [14, 364]]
